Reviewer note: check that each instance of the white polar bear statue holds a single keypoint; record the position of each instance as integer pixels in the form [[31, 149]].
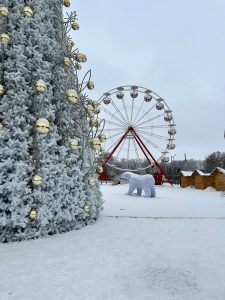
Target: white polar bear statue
[[139, 183]]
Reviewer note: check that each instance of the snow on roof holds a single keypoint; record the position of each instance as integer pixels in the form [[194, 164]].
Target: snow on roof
[[201, 173], [221, 170], [186, 173]]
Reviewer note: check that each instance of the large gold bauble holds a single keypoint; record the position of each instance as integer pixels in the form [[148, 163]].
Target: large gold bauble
[[102, 138], [33, 214], [2, 90], [95, 144], [90, 110], [40, 86], [5, 39], [73, 144], [27, 11], [80, 57], [66, 3], [66, 62], [93, 122], [72, 96], [90, 85], [36, 180], [42, 126], [92, 181], [75, 26], [78, 66], [4, 11], [99, 170], [70, 44], [87, 208], [94, 104]]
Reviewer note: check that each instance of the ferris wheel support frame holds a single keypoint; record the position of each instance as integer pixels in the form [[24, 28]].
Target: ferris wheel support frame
[[143, 148]]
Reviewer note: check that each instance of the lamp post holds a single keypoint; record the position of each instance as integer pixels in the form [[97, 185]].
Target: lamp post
[[172, 159]]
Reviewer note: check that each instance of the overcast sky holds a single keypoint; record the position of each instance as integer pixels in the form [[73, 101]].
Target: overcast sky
[[173, 47]]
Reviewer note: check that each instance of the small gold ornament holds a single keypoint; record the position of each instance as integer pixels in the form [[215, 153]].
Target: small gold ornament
[[27, 11], [99, 170], [102, 138], [79, 57], [66, 3], [78, 66], [42, 126], [97, 110], [73, 144], [4, 11], [94, 104], [66, 62], [95, 144], [65, 173], [87, 208], [90, 110], [40, 86], [92, 181], [90, 85], [2, 90], [75, 26], [1, 126], [33, 214], [36, 180], [5, 39], [70, 44], [72, 96], [93, 122]]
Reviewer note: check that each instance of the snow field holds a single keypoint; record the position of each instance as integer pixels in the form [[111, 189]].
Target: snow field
[[160, 252]]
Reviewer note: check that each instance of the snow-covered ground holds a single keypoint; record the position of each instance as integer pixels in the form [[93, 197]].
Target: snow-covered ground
[[171, 247]]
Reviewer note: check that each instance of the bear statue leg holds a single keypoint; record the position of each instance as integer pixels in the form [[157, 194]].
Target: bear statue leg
[[153, 193], [131, 189], [147, 190], [139, 191]]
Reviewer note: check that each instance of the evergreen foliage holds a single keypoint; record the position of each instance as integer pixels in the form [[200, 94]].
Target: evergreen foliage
[[36, 53]]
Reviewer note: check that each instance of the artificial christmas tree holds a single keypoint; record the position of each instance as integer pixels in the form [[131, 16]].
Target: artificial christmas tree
[[45, 158]]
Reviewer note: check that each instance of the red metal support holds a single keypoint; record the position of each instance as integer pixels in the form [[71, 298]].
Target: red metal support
[[141, 142]]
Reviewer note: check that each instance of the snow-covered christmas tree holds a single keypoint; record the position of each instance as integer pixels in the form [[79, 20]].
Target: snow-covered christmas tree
[[48, 180]]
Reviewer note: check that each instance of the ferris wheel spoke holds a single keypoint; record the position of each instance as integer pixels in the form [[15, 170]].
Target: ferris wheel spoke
[[139, 110], [132, 111], [119, 112], [113, 123], [151, 119], [114, 135], [145, 114], [125, 109], [128, 153], [120, 148], [153, 126], [153, 135], [136, 149], [148, 141], [112, 115]]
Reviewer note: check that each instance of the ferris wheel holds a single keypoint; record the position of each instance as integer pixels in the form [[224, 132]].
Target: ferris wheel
[[139, 126]]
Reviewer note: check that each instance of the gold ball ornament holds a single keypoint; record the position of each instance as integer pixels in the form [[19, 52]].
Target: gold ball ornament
[[33, 214], [4, 11], [90, 85], [90, 110], [79, 57], [40, 86], [65, 173], [102, 138], [72, 96], [73, 144], [75, 26], [5, 39], [95, 144], [99, 170], [94, 104], [27, 11], [2, 90], [87, 208], [36, 180], [78, 66], [42, 126], [66, 62], [66, 3], [92, 181], [93, 122], [70, 45]]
